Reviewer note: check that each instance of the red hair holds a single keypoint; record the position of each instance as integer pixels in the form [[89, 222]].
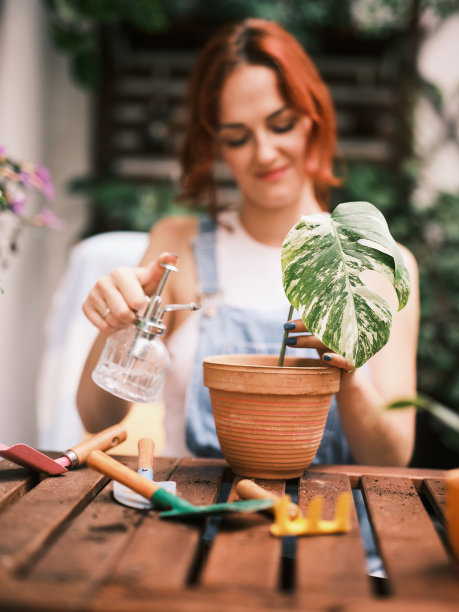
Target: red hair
[[264, 43]]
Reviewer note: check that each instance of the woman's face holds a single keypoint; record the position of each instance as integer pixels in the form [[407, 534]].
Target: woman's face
[[262, 139]]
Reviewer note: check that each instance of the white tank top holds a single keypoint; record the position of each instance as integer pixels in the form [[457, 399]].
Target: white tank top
[[250, 277]]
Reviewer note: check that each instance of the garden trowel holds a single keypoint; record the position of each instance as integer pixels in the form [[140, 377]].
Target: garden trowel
[[30, 458], [128, 497], [175, 507]]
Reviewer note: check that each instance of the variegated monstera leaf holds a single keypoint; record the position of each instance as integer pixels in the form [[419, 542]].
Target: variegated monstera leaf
[[322, 259]]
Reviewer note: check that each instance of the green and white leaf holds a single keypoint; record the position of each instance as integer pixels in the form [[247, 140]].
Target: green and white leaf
[[322, 259]]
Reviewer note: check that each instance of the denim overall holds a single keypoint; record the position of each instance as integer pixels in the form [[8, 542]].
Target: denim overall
[[226, 329]]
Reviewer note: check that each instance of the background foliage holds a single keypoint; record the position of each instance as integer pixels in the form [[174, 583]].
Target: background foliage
[[431, 232]]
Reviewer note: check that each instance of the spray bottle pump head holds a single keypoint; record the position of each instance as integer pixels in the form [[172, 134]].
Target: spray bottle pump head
[[152, 321]]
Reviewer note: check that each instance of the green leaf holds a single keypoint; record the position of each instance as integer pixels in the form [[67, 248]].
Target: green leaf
[[444, 415], [322, 259]]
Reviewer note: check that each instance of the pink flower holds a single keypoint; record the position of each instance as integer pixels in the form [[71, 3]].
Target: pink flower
[[17, 205], [47, 218], [25, 178], [16, 178]]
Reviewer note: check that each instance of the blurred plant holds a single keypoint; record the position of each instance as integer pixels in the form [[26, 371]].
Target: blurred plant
[[16, 178], [75, 29], [76, 25], [121, 205], [447, 419], [432, 234]]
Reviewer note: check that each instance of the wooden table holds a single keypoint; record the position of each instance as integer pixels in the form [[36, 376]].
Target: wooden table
[[65, 544]]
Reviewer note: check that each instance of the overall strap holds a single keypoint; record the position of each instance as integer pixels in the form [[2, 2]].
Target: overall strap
[[205, 253]]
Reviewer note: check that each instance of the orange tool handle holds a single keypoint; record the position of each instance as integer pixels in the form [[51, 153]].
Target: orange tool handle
[[115, 470], [248, 489]]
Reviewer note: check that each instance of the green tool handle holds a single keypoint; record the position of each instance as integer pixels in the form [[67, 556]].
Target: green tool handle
[[112, 468]]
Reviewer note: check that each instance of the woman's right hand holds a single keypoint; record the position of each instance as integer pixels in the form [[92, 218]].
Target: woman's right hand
[[118, 297]]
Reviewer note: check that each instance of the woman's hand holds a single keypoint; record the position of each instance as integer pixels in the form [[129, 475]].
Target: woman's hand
[[118, 297], [307, 340]]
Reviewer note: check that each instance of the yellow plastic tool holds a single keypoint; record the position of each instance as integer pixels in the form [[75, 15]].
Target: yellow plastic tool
[[311, 524]]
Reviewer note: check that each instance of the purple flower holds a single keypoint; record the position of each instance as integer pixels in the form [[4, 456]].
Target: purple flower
[[43, 173], [48, 190], [15, 179], [17, 205], [48, 219], [25, 178]]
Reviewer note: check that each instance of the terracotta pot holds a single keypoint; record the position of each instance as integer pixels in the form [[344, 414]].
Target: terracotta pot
[[269, 419]]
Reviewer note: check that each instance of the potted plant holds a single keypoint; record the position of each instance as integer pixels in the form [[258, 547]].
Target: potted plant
[[16, 178], [270, 414]]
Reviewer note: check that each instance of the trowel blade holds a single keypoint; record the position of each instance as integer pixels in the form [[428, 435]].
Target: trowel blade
[[126, 496]]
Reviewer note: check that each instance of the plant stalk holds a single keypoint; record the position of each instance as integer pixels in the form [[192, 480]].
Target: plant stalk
[[280, 363]]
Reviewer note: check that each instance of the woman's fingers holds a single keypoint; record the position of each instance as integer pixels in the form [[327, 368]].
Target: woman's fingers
[[295, 325], [114, 299], [118, 297], [127, 296], [306, 340], [339, 362], [150, 276], [96, 310]]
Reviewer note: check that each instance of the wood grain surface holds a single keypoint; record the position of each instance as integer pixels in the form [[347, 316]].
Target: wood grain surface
[[66, 544]]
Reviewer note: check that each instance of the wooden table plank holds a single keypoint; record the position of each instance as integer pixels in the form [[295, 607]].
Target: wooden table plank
[[225, 600], [21, 596], [67, 545], [415, 559], [435, 491], [162, 552], [401, 604], [244, 555], [196, 600], [37, 517], [15, 481], [336, 562], [85, 553], [95, 538], [200, 479], [356, 472]]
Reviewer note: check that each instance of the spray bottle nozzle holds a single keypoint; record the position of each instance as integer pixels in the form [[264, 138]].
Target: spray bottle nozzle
[[152, 321]]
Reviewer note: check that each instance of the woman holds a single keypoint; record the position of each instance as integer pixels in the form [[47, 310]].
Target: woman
[[258, 103]]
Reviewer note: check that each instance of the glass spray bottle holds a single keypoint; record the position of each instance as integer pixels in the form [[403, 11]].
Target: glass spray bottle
[[134, 361]]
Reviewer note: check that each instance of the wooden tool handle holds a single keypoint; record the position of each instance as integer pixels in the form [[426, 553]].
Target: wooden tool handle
[[146, 448], [248, 489], [104, 440], [117, 471]]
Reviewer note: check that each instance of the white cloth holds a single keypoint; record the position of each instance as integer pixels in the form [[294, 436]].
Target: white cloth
[[250, 277], [69, 335]]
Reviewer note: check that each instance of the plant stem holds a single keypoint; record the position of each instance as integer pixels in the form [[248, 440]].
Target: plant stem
[[280, 363]]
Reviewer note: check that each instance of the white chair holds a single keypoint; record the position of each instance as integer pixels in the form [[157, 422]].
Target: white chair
[[69, 335]]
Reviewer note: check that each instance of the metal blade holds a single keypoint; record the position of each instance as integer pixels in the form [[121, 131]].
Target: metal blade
[[126, 496]]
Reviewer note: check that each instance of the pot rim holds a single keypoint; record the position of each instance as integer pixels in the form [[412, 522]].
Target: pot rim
[[239, 360]]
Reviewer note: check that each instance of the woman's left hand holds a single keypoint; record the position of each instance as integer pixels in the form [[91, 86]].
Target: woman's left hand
[[308, 340]]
